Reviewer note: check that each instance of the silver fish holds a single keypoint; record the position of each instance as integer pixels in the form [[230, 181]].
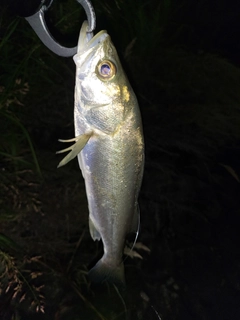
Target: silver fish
[[110, 148]]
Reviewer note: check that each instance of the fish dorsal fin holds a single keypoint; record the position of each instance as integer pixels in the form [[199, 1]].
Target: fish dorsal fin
[[80, 142]]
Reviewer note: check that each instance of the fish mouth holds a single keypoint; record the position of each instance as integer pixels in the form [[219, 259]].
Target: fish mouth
[[87, 40]]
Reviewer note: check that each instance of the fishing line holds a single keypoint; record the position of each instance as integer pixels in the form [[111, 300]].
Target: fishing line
[[157, 314], [136, 237]]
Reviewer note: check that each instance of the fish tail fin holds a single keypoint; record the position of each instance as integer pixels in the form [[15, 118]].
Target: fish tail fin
[[102, 272]]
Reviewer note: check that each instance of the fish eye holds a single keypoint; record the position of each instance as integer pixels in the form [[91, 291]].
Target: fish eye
[[106, 70]]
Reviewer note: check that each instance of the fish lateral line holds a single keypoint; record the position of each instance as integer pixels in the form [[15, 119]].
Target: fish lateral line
[[75, 149]]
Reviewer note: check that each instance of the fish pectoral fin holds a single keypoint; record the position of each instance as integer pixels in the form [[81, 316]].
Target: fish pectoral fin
[[93, 231], [80, 142]]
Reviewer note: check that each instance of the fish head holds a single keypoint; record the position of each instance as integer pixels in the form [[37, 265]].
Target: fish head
[[100, 79]]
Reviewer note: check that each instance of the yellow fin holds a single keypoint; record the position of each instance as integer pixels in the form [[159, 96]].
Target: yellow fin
[[80, 142]]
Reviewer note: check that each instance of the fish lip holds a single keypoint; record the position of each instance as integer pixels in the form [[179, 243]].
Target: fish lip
[[87, 41], [97, 39]]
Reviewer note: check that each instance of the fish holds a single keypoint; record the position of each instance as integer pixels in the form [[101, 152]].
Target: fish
[[109, 144]]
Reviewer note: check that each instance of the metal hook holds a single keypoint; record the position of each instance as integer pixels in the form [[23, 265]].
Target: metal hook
[[39, 25]]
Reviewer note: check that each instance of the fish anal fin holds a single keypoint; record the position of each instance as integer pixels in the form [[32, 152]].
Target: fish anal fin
[[141, 246], [93, 231], [132, 253], [76, 148]]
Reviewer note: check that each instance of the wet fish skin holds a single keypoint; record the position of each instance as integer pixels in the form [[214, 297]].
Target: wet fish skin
[[112, 160]]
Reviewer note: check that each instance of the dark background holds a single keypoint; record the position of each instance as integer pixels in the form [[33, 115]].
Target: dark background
[[182, 59]]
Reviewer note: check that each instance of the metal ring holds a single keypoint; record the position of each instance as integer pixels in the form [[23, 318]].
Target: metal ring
[[39, 25]]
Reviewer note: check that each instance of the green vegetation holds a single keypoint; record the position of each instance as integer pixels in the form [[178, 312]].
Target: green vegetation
[[190, 103]]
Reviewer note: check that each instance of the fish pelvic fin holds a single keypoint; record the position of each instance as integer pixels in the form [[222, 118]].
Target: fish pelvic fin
[[75, 149], [103, 272]]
